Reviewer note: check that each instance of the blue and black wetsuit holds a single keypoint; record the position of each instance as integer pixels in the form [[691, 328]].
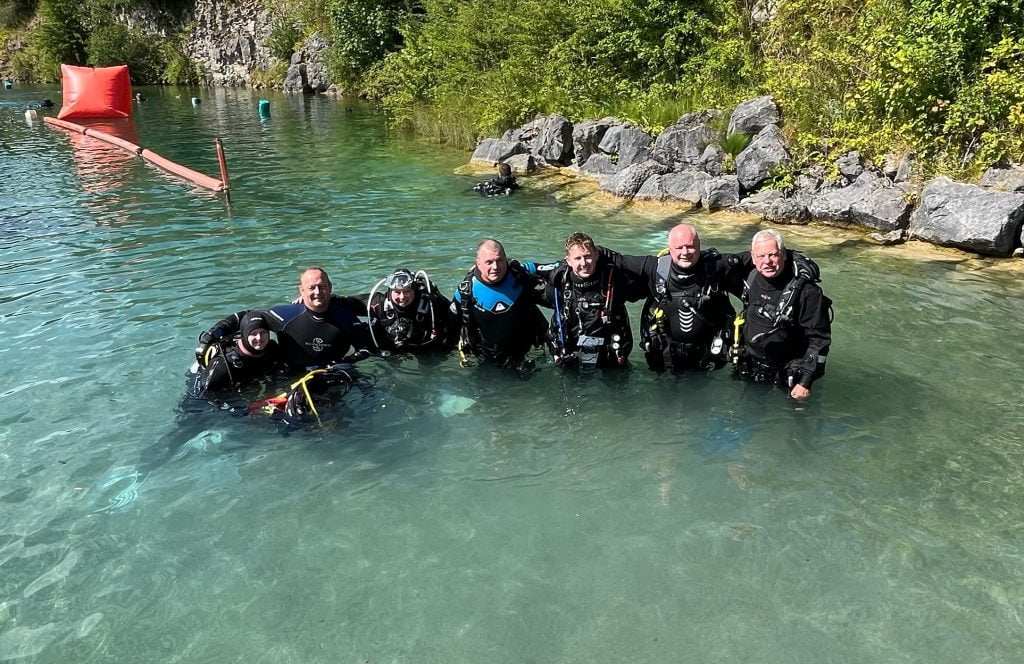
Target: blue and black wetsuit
[[500, 322]]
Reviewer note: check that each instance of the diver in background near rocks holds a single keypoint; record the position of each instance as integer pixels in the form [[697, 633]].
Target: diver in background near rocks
[[501, 185], [787, 319]]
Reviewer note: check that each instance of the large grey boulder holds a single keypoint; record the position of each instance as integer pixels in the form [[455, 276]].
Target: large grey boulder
[[681, 145], [720, 193], [1004, 178], [554, 142], [491, 151], [870, 201], [522, 163], [787, 211], [627, 182], [759, 203], [599, 164], [295, 78], [525, 133], [712, 160], [850, 165], [629, 143], [753, 115], [686, 186], [966, 216], [315, 54], [761, 158], [587, 136]]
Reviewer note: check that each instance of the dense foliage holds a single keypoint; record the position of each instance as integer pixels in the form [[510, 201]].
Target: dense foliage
[[88, 33], [943, 78], [939, 77]]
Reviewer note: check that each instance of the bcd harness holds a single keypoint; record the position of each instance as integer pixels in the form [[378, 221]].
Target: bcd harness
[[655, 331], [778, 317], [588, 345], [470, 337], [400, 325], [781, 315]]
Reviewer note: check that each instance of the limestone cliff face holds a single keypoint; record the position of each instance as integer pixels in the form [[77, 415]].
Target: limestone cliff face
[[227, 40]]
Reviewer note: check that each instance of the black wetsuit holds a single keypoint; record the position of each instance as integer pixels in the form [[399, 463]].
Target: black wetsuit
[[232, 369], [427, 323], [498, 186], [787, 327], [309, 339], [593, 310], [686, 320], [500, 322]]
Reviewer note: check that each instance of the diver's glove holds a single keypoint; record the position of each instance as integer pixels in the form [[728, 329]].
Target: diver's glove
[[352, 358], [296, 405], [206, 339]]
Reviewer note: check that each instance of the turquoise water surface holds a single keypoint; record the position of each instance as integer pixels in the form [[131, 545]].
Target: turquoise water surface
[[444, 514]]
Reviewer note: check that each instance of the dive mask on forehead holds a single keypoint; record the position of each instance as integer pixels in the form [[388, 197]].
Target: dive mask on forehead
[[400, 279]]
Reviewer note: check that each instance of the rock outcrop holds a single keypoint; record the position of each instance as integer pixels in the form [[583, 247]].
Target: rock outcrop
[[966, 216], [687, 163]]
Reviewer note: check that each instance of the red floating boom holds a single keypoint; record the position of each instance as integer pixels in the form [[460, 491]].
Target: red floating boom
[[152, 157]]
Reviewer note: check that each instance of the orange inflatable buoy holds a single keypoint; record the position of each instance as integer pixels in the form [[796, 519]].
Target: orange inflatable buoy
[[96, 92]]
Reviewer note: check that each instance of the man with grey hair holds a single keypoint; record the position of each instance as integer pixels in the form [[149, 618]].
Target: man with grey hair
[[787, 326]]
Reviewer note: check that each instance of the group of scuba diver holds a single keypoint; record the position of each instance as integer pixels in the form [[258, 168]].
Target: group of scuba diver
[[780, 336]]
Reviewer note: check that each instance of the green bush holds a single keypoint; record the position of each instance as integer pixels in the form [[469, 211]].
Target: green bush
[[60, 38], [178, 68], [284, 36], [112, 43], [15, 13]]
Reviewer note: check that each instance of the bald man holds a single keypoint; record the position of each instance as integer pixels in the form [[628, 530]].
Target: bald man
[[687, 317], [497, 306]]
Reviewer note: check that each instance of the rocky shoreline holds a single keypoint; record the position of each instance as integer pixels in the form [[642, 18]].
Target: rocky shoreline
[[687, 164]]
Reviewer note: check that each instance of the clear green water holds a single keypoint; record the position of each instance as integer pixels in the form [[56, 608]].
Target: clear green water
[[557, 519]]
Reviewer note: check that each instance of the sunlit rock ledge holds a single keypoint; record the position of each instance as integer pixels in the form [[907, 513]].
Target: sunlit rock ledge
[[745, 168]]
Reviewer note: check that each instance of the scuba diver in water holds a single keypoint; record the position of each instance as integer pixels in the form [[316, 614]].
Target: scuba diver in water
[[409, 315], [496, 304], [316, 331], [222, 367], [687, 319], [590, 325], [501, 185], [315, 334], [786, 319]]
